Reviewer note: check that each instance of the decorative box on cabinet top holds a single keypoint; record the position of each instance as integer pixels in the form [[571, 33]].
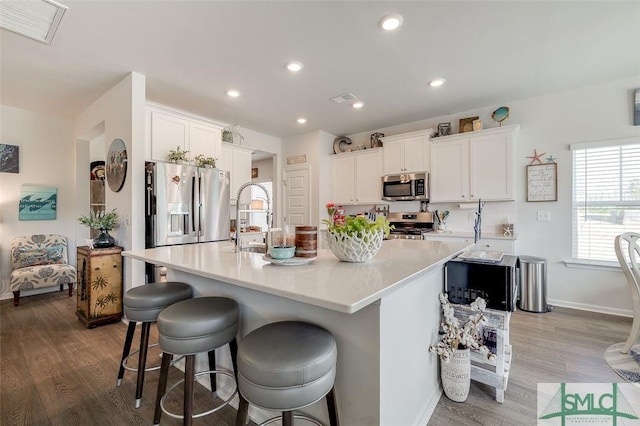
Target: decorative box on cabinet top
[[99, 294]]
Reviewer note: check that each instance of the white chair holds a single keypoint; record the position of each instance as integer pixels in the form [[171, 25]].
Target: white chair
[[628, 253]]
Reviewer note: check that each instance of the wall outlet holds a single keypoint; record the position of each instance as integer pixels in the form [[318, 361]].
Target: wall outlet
[[544, 216]]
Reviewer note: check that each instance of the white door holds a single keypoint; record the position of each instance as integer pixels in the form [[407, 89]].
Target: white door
[[298, 197]]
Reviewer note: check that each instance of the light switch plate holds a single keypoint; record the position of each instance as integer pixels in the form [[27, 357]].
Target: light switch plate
[[544, 216]]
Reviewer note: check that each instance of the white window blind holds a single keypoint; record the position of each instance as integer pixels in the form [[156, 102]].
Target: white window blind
[[260, 218], [606, 198]]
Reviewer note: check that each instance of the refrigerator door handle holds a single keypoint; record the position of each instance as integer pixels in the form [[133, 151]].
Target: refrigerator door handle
[[200, 230], [193, 204]]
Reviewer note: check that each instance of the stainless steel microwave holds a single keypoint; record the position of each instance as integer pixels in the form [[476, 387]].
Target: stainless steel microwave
[[406, 187]]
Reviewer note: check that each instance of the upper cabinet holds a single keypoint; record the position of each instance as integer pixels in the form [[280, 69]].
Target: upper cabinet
[[474, 165], [407, 152], [356, 177], [236, 160], [170, 129]]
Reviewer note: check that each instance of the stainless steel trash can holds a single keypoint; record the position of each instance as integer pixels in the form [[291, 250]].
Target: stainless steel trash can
[[533, 284]]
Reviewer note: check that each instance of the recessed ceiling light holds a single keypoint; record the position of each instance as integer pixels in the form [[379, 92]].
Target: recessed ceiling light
[[233, 93], [391, 22], [358, 104], [294, 66], [437, 82], [301, 120]]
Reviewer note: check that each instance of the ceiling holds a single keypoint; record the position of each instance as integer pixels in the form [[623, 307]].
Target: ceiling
[[192, 52]]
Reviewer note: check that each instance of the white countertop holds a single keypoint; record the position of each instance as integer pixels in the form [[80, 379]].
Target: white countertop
[[458, 234], [325, 282]]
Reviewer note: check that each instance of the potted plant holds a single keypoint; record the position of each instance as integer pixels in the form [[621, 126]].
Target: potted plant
[[103, 221], [177, 155], [355, 239], [456, 342], [202, 161]]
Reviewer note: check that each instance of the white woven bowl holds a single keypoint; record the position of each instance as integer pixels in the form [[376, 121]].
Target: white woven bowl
[[354, 248]]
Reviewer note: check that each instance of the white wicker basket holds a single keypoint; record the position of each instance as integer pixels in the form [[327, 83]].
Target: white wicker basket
[[355, 248]]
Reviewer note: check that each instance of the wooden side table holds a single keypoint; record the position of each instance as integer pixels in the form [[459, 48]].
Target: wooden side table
[[99, 294]]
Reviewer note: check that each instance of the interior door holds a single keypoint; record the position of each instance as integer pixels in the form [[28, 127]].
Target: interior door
[[298, 197]]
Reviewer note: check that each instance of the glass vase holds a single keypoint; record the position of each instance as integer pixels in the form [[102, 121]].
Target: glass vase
[[104, 240]]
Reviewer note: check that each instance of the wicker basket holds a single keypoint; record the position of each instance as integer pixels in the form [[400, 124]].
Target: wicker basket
[[355, 248]]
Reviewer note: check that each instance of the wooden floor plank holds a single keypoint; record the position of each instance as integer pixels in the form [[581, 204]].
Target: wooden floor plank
[[55, 371]]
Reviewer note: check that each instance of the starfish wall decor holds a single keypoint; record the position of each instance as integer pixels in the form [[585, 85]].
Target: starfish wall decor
[[536, 157]]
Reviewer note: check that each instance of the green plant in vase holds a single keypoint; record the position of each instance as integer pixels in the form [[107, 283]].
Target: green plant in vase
[[103, 221], [357, 239], [202, 161], [178, 154]]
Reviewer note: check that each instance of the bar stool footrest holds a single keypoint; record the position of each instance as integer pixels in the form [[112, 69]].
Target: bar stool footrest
[[205, 413], [295, 416], [154, 368]]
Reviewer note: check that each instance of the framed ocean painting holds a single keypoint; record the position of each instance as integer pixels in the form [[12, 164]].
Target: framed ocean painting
[[9, 158], [37, 202]]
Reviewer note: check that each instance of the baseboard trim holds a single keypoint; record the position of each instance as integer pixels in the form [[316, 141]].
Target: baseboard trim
[[36, 291], [591, 308]]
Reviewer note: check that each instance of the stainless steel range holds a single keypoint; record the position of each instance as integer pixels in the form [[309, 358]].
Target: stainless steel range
[[410, 226]]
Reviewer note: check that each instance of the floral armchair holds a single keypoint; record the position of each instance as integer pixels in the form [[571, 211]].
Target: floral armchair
[[40, 261]]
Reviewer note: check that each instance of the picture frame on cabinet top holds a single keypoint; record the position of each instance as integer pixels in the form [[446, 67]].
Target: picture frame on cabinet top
[[466, 124], [444, 129]]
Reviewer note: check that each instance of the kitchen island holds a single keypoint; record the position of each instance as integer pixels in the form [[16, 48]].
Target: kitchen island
[[384, 314]]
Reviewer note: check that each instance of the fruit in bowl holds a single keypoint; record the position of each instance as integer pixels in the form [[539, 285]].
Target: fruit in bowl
[[283, 252]]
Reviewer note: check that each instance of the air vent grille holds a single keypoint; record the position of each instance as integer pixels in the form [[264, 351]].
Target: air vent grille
[[345, 97], [38, 20]]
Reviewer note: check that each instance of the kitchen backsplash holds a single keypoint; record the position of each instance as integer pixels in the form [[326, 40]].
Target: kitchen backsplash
[[494, 214]]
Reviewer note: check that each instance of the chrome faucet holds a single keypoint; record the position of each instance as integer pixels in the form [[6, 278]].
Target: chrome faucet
[[266, 194]]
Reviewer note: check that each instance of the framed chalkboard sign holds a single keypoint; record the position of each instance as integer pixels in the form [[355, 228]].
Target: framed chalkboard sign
[[542, 182]]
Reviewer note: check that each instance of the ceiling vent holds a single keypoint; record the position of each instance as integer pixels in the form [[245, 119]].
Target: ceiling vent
[[345, 97], [36, 19]]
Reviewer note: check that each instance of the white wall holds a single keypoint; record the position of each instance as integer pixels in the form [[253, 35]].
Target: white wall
[[316, 146], [119, 114], [549, 124], [265, 170], [46, 150]]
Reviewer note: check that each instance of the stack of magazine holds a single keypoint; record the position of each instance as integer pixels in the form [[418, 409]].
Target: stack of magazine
[[482, 256]]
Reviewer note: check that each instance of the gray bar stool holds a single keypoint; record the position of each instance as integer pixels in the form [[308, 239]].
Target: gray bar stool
[[190, 327], [285, 366], [143, 304]]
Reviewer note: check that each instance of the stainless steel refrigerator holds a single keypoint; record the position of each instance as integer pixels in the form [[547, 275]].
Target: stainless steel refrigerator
[[185, 204]]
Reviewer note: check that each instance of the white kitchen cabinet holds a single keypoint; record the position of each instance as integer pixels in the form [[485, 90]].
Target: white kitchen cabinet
[[170, 129], [236, 160], [167, 133], [356, 177], [205, 140], [407, 152], [475, 165]]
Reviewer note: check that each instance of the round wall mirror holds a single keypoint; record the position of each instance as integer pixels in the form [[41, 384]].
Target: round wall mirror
[[116, 165]]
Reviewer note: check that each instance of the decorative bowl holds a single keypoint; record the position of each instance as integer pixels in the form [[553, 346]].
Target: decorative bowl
[[283, 252], [355, 248]]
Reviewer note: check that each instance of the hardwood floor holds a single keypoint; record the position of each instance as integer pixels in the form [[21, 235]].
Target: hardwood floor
[[55, 371], [564, 345]]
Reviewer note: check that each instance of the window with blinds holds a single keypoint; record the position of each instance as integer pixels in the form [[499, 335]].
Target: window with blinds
[[260, 218], [606, 198]]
